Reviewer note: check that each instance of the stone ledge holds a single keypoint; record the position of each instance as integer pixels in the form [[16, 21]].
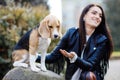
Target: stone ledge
[[20, 73]]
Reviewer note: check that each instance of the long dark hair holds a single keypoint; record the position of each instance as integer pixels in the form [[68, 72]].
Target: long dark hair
[[102, 29]]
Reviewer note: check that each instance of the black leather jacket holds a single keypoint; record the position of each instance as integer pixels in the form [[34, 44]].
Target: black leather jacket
[[93, 57]]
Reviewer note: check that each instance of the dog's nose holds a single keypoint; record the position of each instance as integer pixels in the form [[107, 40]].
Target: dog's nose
[[55, 36]]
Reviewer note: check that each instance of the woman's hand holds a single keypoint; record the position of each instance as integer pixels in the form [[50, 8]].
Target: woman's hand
[[66, 54]]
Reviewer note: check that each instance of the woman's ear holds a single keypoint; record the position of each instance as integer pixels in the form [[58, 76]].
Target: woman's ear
[[43, 29]]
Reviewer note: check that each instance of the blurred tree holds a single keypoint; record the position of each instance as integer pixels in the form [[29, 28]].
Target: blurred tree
[[33, 2], [113, 13]]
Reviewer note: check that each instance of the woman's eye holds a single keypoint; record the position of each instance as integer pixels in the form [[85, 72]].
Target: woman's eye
[[50, 26], [93, 12], [101, 15]]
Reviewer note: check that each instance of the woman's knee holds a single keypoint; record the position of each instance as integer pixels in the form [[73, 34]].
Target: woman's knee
[[90, 76]]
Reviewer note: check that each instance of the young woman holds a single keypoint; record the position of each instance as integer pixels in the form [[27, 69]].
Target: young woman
[[86, 49]]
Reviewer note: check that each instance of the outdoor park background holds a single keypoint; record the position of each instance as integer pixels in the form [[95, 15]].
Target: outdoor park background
[[17, 18]]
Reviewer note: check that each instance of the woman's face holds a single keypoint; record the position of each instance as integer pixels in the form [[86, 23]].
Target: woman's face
[[93, 17]]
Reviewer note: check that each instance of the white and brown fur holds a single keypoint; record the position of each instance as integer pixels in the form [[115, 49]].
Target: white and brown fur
[[39, 41]]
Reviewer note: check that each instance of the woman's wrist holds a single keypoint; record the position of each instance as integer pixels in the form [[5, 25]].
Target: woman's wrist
[[73, 59]]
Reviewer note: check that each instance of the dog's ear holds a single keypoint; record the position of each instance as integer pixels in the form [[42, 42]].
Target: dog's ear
[[43, 29], [60, 29]]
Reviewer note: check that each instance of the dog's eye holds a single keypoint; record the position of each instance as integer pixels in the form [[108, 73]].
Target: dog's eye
[[50, 26], [57, 26]]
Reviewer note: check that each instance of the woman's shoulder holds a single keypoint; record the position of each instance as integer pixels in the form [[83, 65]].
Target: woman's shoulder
[[72, 32], [73, 29]]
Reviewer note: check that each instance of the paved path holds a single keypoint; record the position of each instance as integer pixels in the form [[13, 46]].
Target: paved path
[[113, 71]]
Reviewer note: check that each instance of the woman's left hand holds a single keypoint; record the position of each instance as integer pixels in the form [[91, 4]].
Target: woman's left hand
[[66, 54]]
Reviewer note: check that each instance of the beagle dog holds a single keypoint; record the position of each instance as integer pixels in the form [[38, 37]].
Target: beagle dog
[[34, 41]]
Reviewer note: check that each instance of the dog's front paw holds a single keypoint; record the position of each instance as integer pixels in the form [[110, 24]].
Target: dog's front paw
[[43, 68], [25, 65], [35, 69], [16, 64], [38, 65]]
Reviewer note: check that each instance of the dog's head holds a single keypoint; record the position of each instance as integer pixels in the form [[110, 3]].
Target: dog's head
[[50, 27]]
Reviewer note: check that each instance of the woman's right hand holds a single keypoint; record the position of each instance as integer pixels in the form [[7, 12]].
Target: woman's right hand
[[67, 54]]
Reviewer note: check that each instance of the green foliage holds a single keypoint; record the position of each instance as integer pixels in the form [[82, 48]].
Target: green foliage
[[112, 13], [15, 21]]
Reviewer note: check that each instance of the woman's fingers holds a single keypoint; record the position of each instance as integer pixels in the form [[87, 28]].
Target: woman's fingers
[[65, 53]]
